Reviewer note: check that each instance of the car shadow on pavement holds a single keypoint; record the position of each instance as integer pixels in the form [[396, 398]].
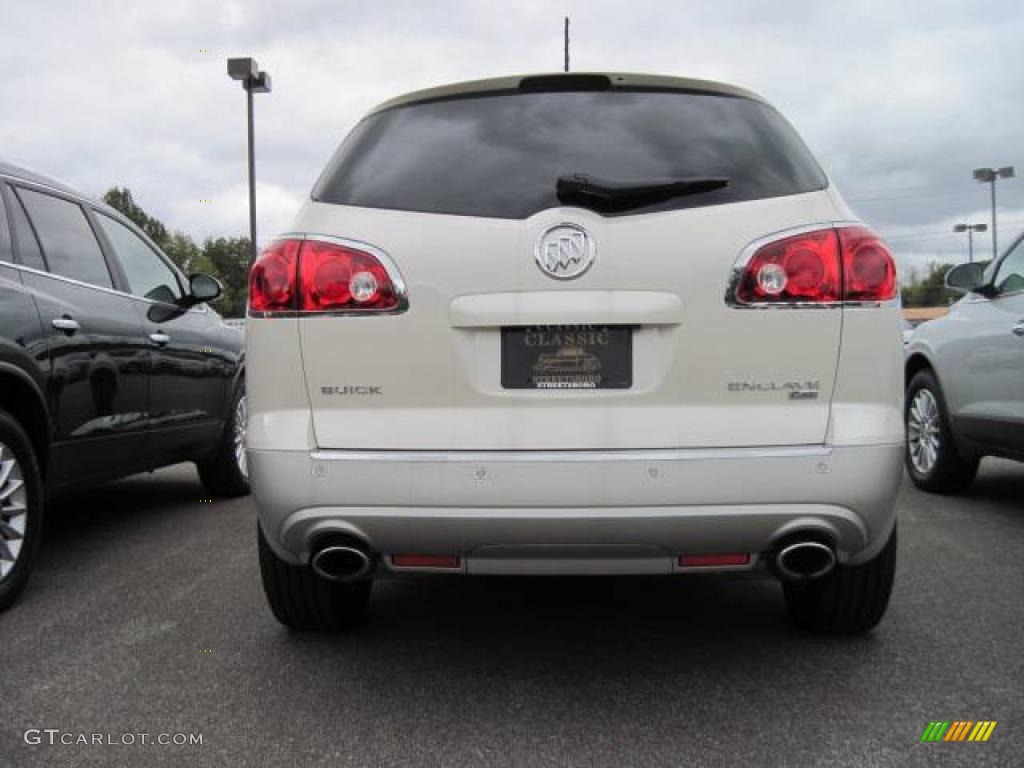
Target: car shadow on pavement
[[561, 629], [649, 657], [1000, 483], [133, 502], [105, 532]]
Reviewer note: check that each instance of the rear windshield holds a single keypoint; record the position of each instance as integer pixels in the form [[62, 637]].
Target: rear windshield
[[500, 155]]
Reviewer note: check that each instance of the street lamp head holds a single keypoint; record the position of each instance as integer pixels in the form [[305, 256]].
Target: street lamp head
[[980, 227], [959, 227], [248, 72], [243, 69], [984, 174], [260, 83], [1006, 172]]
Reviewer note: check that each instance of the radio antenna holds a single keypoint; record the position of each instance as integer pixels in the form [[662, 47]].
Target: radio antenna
[[566, 43]]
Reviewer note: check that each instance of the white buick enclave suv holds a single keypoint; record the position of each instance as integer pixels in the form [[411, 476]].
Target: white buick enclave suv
[[575, 324]]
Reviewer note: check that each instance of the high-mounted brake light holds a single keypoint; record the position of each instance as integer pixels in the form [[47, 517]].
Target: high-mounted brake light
[[825, 266], [320, 276]]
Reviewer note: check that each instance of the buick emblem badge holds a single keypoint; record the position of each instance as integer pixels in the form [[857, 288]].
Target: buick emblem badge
[[564, 251]]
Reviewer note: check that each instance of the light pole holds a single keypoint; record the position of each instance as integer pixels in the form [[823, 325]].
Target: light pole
[[253, 81], [566, 43], [989, 176], [970, 229]]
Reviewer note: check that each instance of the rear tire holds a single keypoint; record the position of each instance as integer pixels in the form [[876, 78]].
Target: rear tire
[[225, 472], [302, 600], [940, 469], [21, 509], [849, 599]]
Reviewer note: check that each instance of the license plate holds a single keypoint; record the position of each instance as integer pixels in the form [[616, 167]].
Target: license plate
[[567, 357]]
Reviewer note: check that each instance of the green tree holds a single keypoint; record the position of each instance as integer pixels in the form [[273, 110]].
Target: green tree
[[182, 250], [929, 290], [226, 258], [120, 198]]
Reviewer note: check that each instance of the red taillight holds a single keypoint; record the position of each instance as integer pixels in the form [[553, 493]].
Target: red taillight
[[714, 561], [869, 272], [335, 277], [425, 561], [319, 276], [820, 267], [272, 278], [802, 268]]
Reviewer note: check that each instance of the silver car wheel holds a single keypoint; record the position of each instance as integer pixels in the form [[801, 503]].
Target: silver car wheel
[[241, 413], [13, 510], [924, 431]]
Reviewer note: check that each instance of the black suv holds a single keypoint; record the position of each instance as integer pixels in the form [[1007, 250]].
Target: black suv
[[111, 363]]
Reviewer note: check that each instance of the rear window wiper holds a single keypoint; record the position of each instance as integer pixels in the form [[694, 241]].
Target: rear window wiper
[[622, 195]]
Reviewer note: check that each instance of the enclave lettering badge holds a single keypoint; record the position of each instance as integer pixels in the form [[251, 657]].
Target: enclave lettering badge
[[798, 390]]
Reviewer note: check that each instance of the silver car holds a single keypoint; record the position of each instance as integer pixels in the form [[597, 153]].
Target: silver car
[[576, 324], [965, 377]]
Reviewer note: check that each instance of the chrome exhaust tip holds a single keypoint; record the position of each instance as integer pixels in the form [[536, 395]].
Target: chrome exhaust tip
[[805, 560], [341, 562]]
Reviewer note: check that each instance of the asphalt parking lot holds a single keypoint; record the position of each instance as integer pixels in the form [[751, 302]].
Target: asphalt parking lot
[[145, 615]]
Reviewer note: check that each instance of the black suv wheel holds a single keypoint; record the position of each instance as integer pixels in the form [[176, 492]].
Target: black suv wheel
[[226, 472], [21, 508]]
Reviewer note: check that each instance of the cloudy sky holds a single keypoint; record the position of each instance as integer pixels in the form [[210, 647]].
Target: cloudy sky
[[899, 100]]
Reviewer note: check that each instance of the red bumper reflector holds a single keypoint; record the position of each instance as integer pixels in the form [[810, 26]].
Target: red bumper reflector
[[425, 561], [727, 558]]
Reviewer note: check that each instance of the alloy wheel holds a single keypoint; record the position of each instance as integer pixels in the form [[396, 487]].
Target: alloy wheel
[[924, 431], [13, 510], [241, 413]]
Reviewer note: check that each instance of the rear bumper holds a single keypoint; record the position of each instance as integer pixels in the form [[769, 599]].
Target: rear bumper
[[578, 511]]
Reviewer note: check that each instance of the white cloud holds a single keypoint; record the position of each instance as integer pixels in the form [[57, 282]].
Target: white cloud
[[227, 210]]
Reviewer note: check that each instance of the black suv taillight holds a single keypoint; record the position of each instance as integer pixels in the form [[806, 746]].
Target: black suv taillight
[[825, 266], [309, 275]]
